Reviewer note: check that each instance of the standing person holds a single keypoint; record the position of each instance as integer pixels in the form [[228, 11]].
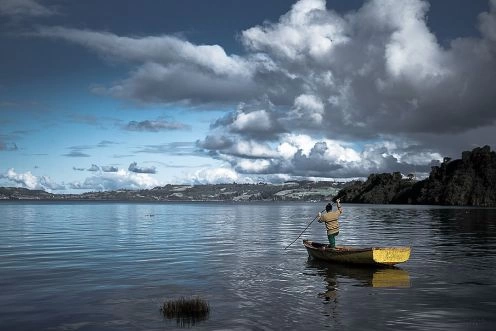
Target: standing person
[[330, 218]]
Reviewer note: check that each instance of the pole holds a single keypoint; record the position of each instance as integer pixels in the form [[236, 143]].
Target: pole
[[306, 228], [302, 231]]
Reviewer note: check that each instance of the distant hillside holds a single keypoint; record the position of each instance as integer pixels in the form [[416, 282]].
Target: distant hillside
[[17, 193], [469, 181], [290, 191]]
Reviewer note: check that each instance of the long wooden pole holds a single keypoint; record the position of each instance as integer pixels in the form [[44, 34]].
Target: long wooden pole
[[303, 230], [332, 202]]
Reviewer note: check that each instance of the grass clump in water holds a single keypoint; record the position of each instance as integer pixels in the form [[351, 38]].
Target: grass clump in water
[[187, 311]]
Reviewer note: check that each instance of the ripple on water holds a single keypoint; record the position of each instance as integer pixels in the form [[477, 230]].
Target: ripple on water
[[110, 266]]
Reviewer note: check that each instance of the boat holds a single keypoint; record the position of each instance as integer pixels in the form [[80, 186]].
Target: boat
[[378, 256]]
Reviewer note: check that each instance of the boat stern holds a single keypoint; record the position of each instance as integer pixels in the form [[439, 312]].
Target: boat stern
[[391, 255]]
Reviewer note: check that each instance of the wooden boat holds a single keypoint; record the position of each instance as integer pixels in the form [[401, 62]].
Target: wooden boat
[[371, 255]]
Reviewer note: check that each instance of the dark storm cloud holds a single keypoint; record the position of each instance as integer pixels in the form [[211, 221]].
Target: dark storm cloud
[[133, 167], [154, 83], [213, 142], [168, 69], [155, 126], [315, 164], [25, 8], [362, 72], [315, 81]]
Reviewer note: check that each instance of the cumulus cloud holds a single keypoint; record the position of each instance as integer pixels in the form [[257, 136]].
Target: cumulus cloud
[[133, 167], [100, 181], [377, 76], [301, 155], [216, 176], [21, 8], [155, 126], [116, 180], [30, 181], [370, 90], [361, 71]]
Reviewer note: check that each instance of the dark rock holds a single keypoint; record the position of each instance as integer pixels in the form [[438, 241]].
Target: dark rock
[[469, 181]]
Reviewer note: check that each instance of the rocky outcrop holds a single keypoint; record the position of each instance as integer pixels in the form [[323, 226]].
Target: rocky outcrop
[[378, 188], [469, 181]]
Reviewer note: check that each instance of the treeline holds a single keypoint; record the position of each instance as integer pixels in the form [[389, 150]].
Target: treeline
[[469, 181]]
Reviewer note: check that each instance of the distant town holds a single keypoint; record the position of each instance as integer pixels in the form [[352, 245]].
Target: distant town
[[291, 191]]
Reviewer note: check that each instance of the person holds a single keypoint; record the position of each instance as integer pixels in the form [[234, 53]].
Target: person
[[330, 218]]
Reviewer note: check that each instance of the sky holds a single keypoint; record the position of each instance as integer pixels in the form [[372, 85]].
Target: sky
[[119, 94]]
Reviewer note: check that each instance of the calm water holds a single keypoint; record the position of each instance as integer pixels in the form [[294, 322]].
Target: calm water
[[109, 266]]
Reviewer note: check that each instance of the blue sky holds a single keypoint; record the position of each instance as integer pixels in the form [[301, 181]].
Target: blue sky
[[101, 95]]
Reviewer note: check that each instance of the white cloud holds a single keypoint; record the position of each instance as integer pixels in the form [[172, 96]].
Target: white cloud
[[168, 69], [253, 166], [305, 157], [316, 80], [164, 50], [253, 121], [306, 30], [309, 108], [214, 176], [27, 179], [116, 180], [360, 71], [30, 181], [251, 149]]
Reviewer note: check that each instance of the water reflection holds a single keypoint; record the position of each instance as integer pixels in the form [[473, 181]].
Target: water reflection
[[481, 222], [390, 277]]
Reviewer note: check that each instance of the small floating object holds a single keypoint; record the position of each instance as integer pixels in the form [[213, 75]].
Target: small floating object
[[370, 255], [186, 311]]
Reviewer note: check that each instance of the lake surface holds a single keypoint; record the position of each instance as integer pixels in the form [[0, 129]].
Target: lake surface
[[110, 266]]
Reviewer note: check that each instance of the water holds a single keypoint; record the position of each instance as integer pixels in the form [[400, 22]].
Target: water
[[110, 266]]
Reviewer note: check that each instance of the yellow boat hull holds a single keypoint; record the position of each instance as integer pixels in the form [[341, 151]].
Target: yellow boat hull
[[369, 255]]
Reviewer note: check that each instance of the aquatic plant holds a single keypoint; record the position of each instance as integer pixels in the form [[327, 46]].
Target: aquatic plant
[[186, 311]]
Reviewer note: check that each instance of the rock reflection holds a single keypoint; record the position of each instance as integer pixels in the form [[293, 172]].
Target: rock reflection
[[389, 277]]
